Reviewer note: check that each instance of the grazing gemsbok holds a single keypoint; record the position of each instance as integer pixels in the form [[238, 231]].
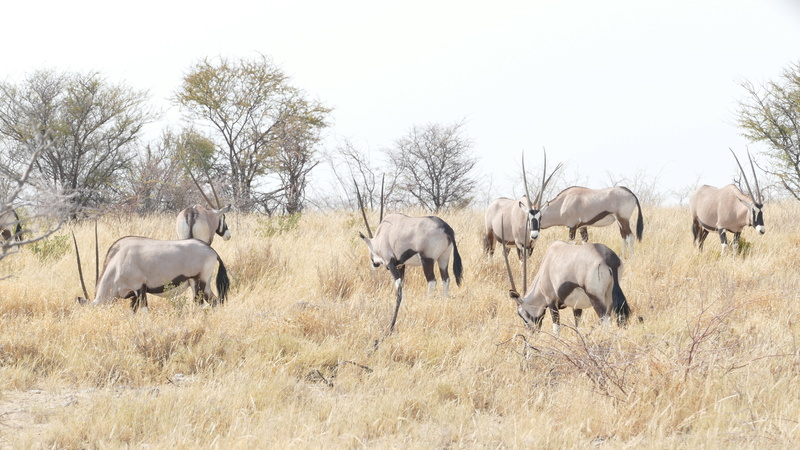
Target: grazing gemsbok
[[519, 218], [136, 266], [402, 241], [201, 223], [579, 207], [578, 276], [726, 209], [10, 226]]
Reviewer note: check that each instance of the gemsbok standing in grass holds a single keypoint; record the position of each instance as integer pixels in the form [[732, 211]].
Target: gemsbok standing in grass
[[517, 219], [136, 266], [578, 276], [401, 241], [726, 209], [579, 207], [202, 223], [10, 226]]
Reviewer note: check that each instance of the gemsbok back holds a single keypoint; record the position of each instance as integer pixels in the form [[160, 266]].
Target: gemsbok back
[[199, 222], [402, 241], [579, 207], [578, 276], [136, 266], [726, 209], [10, 226], [518, 219]]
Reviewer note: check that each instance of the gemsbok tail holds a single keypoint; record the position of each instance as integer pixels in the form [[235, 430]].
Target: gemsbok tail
[[639, 220], [223, 282], [458, 269], [618, 301]]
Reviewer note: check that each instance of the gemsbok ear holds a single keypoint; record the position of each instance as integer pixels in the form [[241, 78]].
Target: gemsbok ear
[[226, 209], [523, 207], [515, 295]]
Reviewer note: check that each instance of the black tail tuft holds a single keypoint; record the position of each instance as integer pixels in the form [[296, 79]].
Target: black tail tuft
[[618, 301], [639, 221], [223, 282], [458, 269]]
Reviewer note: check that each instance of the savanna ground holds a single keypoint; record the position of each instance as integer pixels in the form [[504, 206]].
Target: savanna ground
[[288, 361]]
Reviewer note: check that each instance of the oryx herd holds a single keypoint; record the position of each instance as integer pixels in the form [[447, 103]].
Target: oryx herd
[[579, 276]]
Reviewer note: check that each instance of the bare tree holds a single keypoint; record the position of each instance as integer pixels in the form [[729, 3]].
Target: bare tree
[[351, 165], [642, 184], [771, 114], [434, 165]]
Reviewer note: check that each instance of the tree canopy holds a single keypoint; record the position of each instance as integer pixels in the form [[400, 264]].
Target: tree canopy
[[260, 124], [771, 114], [87, 126]]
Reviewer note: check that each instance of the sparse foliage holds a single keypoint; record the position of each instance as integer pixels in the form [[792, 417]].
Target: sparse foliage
[[434, 165], [87, 129], [771, 114], [350, 164], [259, 123]]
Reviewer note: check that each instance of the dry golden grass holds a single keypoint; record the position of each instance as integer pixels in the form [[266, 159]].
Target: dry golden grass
[[288, 360]]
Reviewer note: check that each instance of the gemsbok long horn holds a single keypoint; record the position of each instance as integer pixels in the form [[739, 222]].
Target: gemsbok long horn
[[213, 191], [756, 197], [80, 270], [363, 212], [200, 189]]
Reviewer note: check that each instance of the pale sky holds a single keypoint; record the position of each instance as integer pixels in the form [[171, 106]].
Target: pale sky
[[622, 86]]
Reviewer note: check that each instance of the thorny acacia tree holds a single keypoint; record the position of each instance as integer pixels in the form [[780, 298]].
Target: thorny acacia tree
[[771, 114], [434, 165], [87, 127], [260, 122]]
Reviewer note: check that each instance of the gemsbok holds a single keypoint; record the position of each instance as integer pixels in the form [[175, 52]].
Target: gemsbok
[[199, 222], [579, 207], [401, 241], [578, 276], [518, 219], [136, 266], [10, 226], [726, 209], [202, 223]]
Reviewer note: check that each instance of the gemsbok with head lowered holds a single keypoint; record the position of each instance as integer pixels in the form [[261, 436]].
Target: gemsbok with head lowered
[[136, 266], [578, 276], [516, 219], [202, 223], [579, 207], [727, 209], [401, 241]]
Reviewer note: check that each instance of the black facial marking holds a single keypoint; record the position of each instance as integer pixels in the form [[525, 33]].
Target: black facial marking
[[534, 218], [223, 226]]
